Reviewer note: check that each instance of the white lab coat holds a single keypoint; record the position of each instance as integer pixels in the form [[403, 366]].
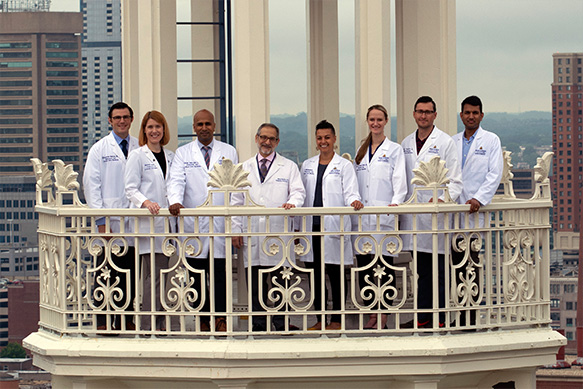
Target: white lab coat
[[482, 171], [281, 185], [381, 182], [144, 180], [103, 178], [437, 144], [187, 186], [339, 189]]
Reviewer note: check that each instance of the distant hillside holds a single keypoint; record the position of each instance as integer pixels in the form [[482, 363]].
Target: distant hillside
[[528, 129]]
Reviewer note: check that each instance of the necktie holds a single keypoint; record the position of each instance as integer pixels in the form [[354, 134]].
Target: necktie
[[207, 155], [124, 147], [263, 169]]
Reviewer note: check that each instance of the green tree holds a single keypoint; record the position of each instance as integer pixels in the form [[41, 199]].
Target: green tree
[[13, 350]]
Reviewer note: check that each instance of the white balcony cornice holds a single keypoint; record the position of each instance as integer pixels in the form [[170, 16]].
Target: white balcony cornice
[[293, 357]]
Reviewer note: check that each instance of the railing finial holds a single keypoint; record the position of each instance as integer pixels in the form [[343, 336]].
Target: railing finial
[[431, 175], [44, 181], [541, 176]]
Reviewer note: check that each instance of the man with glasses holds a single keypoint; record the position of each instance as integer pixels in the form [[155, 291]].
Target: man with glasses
[[422, 145], [187, 187], [275, 183], [103, 184]]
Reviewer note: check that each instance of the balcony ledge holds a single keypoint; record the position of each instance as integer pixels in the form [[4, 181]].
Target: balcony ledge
[[293, 357]]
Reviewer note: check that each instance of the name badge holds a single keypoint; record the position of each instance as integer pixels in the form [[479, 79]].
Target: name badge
[[149, 166], [309, 172], [110, 158], [407, 150], [191, 165], [281, 179], [433, 150], [361, 167]]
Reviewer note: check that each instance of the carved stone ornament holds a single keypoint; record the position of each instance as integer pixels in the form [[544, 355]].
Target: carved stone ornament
[[227, 176], [541, 176], [432, 173], [507, 176], [44, 181], [347, 156], [542, 168], [430, 176], [66, 182]]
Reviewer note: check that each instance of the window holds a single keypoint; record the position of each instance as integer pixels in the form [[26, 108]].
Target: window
[[569, 305], [17, 45], [61, 45], [19, 64], [555, 288], [556, 303]]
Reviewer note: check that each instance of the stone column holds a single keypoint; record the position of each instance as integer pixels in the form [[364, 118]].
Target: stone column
[[323, 90], [250, 72], [373, 60], [149, 60], [426, 61]]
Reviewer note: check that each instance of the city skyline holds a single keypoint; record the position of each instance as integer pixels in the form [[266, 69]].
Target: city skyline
[[506, 63]]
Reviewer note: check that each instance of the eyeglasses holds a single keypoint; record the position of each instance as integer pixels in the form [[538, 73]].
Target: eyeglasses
[[420, 112], [268, 138], [118, 118]]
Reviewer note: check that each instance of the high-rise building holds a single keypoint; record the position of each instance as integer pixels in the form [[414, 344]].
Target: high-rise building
[[567, 96], [40, 116], [101, 53]]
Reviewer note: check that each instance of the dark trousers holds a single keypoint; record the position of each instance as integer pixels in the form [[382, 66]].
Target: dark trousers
[[334, 273], [364, 260], [457, 259], [126, 261], [220, 287], [260, 322], [425, 284]]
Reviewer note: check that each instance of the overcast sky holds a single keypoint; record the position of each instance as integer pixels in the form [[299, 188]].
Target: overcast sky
[[504, 51]]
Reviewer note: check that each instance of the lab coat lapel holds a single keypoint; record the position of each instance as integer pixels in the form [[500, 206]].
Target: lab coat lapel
[[429, 141], [474, 146], [333, 164], [151, 157], [197, 155], [215, 155], [275, 166], [116, 148]]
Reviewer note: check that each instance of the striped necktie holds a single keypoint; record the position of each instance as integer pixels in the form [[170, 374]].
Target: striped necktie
[[207, 155]]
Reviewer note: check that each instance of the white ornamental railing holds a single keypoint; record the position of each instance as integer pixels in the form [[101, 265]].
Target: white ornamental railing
[[493, 277]]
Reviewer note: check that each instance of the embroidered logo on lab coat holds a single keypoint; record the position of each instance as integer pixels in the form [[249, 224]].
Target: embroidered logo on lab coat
[[281, 179], [335, 171], [384, 159], [480, 151], [149, 166], [433, 150], [110, 158], [407, 150], [308, 171], [361, 167], [191, 165]]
